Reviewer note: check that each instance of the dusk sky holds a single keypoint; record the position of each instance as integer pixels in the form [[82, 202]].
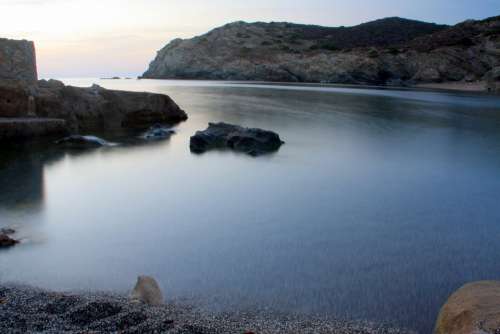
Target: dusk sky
[[95, 38]]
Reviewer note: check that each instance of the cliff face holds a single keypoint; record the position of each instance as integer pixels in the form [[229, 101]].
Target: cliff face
[[17, 60], [386, 52]]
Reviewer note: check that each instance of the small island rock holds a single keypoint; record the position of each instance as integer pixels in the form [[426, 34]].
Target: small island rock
[[247, 140], [6, 241]]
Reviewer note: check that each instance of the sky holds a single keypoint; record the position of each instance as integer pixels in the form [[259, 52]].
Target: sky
[[100, 38]]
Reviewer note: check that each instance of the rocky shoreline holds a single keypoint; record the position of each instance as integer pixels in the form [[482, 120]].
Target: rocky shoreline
[[25, 309], [32, 108]]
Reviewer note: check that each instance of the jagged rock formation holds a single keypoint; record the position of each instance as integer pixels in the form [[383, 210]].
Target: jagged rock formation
[[386, 52], [31, 108], [17, 60], [246, 140]]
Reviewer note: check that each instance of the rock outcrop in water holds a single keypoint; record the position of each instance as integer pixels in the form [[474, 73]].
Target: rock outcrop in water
[[247, 140], [5, 238], [31, 108], [386, 52], [473, 309]]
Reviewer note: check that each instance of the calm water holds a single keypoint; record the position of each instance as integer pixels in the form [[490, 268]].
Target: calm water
[[380, 204]]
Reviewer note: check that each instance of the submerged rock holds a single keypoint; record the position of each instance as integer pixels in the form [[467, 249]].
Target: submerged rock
[[248, 140], [6, 241], [147, 291], [473, 309], [83, 142], [158, 132]]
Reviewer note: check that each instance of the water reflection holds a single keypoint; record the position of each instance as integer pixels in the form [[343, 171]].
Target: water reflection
[[377, 207]]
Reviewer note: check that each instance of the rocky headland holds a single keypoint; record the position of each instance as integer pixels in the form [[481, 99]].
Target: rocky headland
[[392, 51], [32, 108]]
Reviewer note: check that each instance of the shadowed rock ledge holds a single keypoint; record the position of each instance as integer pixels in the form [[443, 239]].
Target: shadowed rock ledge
[[31, 108]]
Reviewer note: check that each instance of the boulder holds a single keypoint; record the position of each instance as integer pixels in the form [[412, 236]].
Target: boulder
[[6, 241], [7, 231], [246, 140], [147, 291], [158, 132], [82, 142], [473, 309]]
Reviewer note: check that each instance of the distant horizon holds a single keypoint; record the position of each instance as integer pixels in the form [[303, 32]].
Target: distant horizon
[[97, 38]]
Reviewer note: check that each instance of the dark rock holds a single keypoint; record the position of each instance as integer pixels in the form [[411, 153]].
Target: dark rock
[[82, 142], [131, 319], [60, 304], [31, 108], [7, 231], [96, 107], [6, 241], [15, 100], [247, 140], [158, 132], [28, 128], [94, 311]]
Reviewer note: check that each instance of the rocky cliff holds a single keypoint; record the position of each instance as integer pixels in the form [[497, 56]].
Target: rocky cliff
[[31, 108], [17, 60], [391, 51]]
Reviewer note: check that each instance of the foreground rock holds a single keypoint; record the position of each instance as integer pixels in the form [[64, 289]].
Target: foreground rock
[[147, 291], [28, 310], [246, 140], [82, 142], [473, 309], [391, 51]]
